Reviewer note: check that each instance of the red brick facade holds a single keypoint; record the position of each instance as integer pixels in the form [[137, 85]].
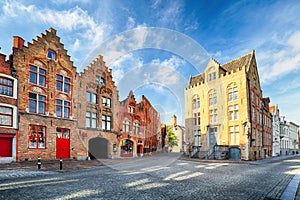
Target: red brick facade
[[47, 111], [140, 132], [8, 111]]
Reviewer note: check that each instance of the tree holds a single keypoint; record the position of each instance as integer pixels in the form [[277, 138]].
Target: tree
[[172, 139]]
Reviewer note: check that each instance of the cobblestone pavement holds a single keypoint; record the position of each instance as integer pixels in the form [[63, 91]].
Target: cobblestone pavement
[[161, 176]]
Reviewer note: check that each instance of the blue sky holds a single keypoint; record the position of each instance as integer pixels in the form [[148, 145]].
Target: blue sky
[[153, 46]]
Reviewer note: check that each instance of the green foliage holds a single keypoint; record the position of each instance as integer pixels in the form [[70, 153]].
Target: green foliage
[[172, 139]]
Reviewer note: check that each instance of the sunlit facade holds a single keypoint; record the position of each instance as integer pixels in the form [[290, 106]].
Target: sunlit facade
[[224, 107]]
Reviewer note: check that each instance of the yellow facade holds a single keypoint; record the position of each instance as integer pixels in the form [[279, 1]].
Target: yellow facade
[[223, 117]]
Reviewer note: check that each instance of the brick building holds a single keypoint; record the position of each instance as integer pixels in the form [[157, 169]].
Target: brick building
[[224, 108], [62, 113], [151, 122], [131, 135], [97, 108], [140, 133], [8, 111], [47, 110]]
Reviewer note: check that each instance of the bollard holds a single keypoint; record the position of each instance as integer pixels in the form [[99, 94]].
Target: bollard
[[39, 163], [60, 164]]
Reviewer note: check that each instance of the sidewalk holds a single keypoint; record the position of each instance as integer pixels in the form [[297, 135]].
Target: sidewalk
[[52, 165]]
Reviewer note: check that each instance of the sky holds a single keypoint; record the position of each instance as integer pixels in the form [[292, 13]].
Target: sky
[[154, 46]]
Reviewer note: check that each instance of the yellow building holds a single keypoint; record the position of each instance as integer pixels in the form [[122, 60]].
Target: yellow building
[[221, 106]]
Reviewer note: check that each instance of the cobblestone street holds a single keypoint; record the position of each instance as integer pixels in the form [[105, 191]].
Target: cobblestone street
[[160, 176]]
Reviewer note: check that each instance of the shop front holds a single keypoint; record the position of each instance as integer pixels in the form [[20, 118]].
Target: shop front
[[127, 148]]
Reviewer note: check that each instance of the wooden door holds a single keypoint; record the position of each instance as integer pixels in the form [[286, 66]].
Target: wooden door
[[62, 143]]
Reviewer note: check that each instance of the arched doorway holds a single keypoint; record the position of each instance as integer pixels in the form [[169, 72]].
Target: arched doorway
[[98, 148], [127, 148]]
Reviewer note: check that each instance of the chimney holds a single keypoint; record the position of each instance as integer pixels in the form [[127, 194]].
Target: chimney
[[18, 43]]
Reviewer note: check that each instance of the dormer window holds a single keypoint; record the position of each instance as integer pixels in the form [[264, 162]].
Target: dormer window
[[51, 54], [212, 76]]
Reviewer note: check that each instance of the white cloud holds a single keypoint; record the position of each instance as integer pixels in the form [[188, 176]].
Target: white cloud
[[76, 45], [173, 62], [74, 19], [59, 2], [278, 63], [130, 23]]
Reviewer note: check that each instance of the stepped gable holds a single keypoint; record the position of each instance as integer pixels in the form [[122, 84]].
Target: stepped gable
[[237, 63], [196, 79]]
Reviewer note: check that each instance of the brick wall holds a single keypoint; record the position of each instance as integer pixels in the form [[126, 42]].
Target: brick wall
[[36, 54], [89, 81]]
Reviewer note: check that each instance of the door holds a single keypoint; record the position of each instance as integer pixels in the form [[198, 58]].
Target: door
[[234, 154], [62, 143], [212, 136], [5, 147]]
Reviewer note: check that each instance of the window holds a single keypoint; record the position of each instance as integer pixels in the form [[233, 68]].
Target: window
[[234, 135], [196, 102], [106, 102], [136, 127], [233, 112], [37, 103], [212, 76], [197, 119], [63, 84], [6, 86], [212, 99], [37, 137], [131, 109], [233, 94], [126, 126], [6, 116], [91, 120], [213, 114], [100, 80], [51, 54], [63, 133], [37, 75], [91, 97], [62, 108], [106, 122]]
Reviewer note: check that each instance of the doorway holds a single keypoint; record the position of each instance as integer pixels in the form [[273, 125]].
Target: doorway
[[62, 143]]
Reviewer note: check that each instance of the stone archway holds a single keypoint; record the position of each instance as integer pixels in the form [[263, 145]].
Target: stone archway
[[98, 148]]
